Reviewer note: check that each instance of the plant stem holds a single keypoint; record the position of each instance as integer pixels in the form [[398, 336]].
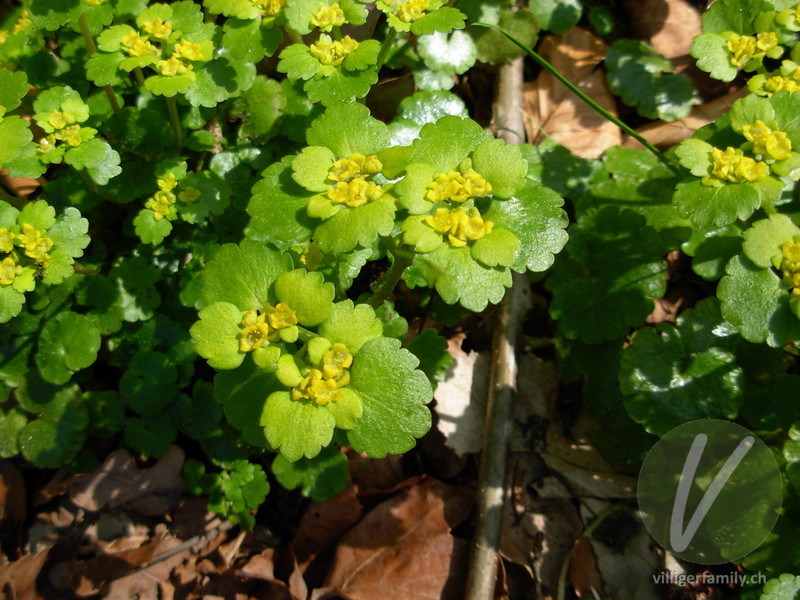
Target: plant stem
[[385, 48], [294, 36], [92, 48], [573, 88], [391, 278], [769, 207], [176, 122], [139, 76]]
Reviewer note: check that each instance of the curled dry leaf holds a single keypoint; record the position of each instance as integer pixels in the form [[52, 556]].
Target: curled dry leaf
[[403, 548], [669, 25], [119, 482], [553, 111], [18, 579], [12, 506], [583, 573]]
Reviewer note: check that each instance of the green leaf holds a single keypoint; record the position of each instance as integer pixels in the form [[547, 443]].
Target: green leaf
[[351, 325], [675, 374], [15, 135], [430, 106], [755, 301], [393, 395], [447, 142], [310, 168], [148, 229], [296, 428], [341, 86], [785, 587], [97, 158], [52, 442], [733, 15], [52, 14], [11, 423], [240, 9], [265, 103], [150, 436], [135, 280], [502, 165], [764, 240], [558, 16], [318, 478], [457, 277], [443, 20], [713, 57], [239, 38], [69, 342], [217, 335], [452, 54], [243, 393], [351, 228], [13, 88], [499, 248], [278, 209], [69, 232], [106, 413], [243, 275], [197, 416], [149, 384], [307, 294], [709, 207], [431, 350], [348, 128], [298, 62], [614, 259], [103, 68], [11, 302], [494, 48], [221, 79], [39, 215]]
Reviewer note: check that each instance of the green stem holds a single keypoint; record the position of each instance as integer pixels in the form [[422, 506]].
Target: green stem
[[553, 71], [768, 207], [176, 122], [385, 48], [139, 76], [92, 48], [294, 36], [391, 278], [93, 186]]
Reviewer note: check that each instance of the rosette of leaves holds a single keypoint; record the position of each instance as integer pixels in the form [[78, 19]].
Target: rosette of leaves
[[36, 246], [308, 195], [332, 70], [443, 56], [758, 291], [19, 38], [472, 215], [421, 17], [737, 36], [643, 78], [191, 197], [740, 162], [305, 16], [786, 78], [252, 30], [60, 113], [323, 366], [15, 134]]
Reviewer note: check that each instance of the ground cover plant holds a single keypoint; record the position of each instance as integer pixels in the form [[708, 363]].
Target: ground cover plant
[[249, 229]]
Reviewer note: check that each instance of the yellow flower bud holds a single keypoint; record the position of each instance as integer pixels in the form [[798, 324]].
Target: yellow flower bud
[[328, 17], [411, 10], [188, 50], [173, 66], [8, 271], [189, 195], [158, 28], [281, 316], [35, 243], [137, 46], [6, 240], [168, 183]]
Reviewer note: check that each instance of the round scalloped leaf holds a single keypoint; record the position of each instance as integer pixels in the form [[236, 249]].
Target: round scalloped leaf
[[458, 277], [755, 301], [443, 20], [499, 248], [495, 48], [447, 142], [217, 335], [785, 587], [351, 228], [97, 158], [15, 134], [239, 9], [249, 40], [786, 114], [675, 374], [764, 240], [452, 54], [70, 232], [733, 15], [310, 168], [351, 325], [135, 279], [51, 443], [13, 87], [52, 14], [307, 294], [430, 106], [150, 436], [318, 478], [243, 275], [558, 16], [713, 57], [11, 302], [11, 423], [501, 165], [534, 215], [296, 428], [148, 229], [411, 189], [220, 79], [340, 86], [278, 209], [709, 207], [393, 395], [68, 342], [197, 416], [747, 110], [614, 259], [348, 128], [243, 392], [149, 384]]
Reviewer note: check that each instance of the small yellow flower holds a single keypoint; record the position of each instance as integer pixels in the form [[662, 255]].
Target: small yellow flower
[[95, 3], [333, 52], [255, 331], [329, 17], [189, 195], [458, 187], [411, 10], [71, 135], [158, 28], [162, 204], [47, 144], [6, 240], [317, 388], [173, 66], [460, 226], [790, 265], [60, 119], [168, 183], [355, 165], [3, 37], [742, 49], [188, 50], [355, 193], [270, 8], [135, 45], [281, 316], [732, 166], [337, 359], [35, 243], [774, 144], [24, 22], [8, 271]]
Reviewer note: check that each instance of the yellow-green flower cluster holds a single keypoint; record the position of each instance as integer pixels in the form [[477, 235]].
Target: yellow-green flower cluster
[[744, 48], [456, 186], [771, 144], [333, 52], [150, 41], [322, 383], [789, 18], [732, 166], [162, 203], [459, 225], [352, 177], [66, 130], [411, 10], [259, 328], [25, 241], [790, 265], [328, 17], [269, 8]]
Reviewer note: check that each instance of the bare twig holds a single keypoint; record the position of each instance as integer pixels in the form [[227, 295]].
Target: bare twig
[[498, 422]]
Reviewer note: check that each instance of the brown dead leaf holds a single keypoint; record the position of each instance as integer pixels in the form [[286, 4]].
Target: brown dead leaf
[[669, 25], [551, 110], [12, 507], [18, 579], [119, 482], [403, 548], [583, 573], [375, 475], [664, 135]]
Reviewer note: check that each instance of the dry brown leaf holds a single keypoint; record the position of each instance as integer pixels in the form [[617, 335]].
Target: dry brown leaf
[[664, 135], [375, 475], [583, 573], [12, 506], [403, 548], [119, 482], [551, 110], [323, 524], [669, 25], [18, 579]]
